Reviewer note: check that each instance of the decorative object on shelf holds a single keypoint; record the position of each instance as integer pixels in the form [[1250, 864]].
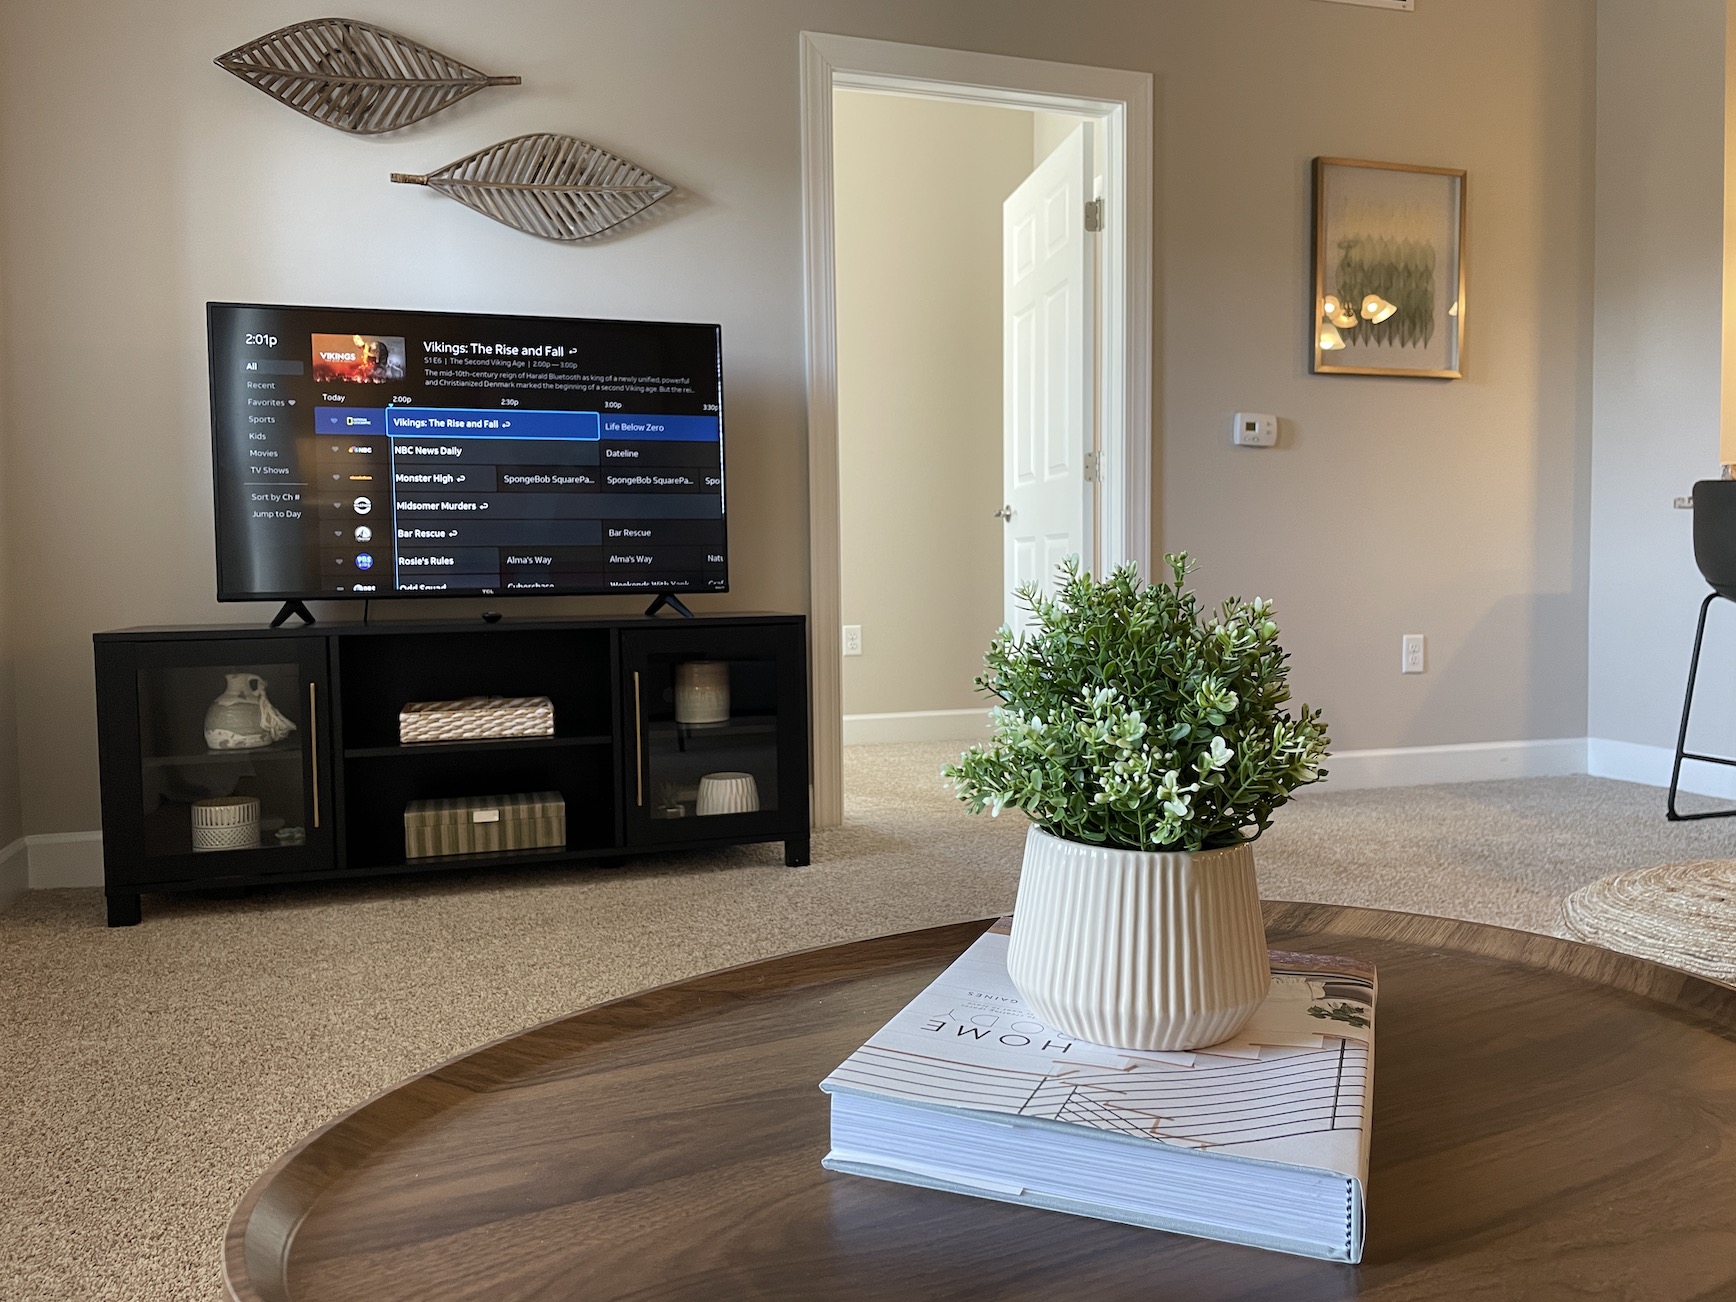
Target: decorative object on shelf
[[668, 802], [290, 836], [702, 691], [476, 718], [354, 76], [727, 793], [242, 718], [484, 824], [1150, 746], [558, 187], [225, 823], [1682, 914], [1389, 269]]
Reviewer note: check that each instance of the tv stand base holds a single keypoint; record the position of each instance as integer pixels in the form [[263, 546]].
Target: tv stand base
[[123, 910], [292, 607], [672, 601]]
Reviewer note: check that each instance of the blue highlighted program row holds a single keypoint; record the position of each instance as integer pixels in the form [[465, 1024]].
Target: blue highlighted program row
[[463, 422]]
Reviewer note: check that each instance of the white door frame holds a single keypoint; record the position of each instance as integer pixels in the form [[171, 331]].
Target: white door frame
[[1121, 104]]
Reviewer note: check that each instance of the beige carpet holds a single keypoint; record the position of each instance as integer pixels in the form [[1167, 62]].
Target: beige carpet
[[153, 1072]]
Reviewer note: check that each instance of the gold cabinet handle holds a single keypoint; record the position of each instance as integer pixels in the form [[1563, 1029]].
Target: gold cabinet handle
[[313, 744], [638, 743]]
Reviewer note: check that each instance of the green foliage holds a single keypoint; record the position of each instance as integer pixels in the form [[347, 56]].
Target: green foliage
[[1127, 718], [1400, 271], [1351, 1014]]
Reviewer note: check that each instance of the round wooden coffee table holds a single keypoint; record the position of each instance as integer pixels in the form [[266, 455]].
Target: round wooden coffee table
[[1550, 1120]]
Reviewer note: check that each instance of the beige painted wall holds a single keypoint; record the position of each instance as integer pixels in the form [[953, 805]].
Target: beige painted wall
[[1660, 260], [919, 191], [141, 181], [1727, 358], [1455, 509]]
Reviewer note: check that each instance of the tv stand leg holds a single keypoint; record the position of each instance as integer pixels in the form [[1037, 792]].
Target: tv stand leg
[[672, 601], [123, 911], [796, 852], [293, 608]]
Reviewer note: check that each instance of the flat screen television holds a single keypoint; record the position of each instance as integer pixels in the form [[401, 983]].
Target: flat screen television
[[360, 453]]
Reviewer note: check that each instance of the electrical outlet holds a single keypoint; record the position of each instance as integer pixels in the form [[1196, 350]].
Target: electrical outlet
[[1412, 657], [852, 639]]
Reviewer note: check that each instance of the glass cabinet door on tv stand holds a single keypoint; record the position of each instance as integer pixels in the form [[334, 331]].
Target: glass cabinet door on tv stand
[[213, 768], [718, 725]]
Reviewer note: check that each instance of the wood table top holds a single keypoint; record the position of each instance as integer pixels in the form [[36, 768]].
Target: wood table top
[[1550, 1120]]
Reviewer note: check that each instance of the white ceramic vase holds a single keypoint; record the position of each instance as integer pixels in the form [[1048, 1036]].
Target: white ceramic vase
[[242, 718], [702, 692], [1139, 950]]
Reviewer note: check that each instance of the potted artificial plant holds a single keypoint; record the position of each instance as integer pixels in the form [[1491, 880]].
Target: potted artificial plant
[[1149, 745]]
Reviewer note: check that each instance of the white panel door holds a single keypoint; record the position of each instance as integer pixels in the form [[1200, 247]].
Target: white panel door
[[1046, 360]]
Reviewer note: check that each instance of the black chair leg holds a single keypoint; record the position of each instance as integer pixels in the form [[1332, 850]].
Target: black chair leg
[[1682, 751]]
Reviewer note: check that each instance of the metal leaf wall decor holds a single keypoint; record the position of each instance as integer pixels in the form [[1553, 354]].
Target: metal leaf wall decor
[[550, 185], [355, 76]]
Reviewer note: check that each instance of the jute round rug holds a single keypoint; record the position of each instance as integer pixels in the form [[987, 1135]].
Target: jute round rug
[[1682, 914]]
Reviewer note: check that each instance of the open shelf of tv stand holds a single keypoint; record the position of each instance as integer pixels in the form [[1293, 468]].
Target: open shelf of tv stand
[[431, 749], [621, 758]]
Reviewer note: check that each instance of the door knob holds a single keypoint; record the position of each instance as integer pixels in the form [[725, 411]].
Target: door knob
[[1005, 513]]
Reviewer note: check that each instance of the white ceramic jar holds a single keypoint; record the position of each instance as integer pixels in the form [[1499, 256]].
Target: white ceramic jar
[[1139, 950], [727, 793], [702, 692]]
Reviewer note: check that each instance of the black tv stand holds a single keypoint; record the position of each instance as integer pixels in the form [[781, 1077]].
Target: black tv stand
[[672, 601], [332, 793], [293, 607]]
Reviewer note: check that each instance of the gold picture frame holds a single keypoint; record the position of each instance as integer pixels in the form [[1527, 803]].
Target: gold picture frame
[[1389, 270]]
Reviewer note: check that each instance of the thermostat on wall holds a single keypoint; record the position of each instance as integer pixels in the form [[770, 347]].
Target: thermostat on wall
[[1255, 429]]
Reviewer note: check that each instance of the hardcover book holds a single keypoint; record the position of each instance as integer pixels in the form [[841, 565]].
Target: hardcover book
[[1261, 1140]]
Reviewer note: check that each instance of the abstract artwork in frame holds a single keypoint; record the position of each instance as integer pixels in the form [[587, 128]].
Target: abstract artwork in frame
[[1389, 269]]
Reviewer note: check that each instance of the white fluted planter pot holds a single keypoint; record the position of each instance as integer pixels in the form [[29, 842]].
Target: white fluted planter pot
[[1139, 950]]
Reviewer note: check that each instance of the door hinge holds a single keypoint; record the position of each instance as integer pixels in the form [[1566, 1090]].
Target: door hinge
[[1093, 466], [1094, 214]]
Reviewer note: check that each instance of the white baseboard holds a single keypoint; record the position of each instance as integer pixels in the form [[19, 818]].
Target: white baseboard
[[14, 872], [1629, 761], [916, 725], [1479, 761], [62, 859]]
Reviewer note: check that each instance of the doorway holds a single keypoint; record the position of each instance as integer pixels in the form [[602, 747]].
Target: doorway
[[1078, 124]]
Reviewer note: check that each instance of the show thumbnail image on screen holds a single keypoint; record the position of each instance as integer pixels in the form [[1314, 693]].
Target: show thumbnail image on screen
[[362, 453]]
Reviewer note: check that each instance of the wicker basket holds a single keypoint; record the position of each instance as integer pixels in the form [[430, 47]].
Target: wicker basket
[[484, 824], [476, 718]]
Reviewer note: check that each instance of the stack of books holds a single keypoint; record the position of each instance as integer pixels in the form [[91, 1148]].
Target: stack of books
[[1261, 1140]]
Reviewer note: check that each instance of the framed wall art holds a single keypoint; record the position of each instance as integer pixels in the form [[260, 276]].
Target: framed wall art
[[1389, 269]]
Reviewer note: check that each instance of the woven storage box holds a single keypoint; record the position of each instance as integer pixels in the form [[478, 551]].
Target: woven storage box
[[225, 823], [476, 718], [484, 824]]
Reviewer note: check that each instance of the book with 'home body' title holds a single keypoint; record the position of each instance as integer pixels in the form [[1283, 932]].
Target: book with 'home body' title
[[1261, 1140]]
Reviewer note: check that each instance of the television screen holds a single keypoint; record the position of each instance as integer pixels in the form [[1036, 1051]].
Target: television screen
[[363, 453]]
